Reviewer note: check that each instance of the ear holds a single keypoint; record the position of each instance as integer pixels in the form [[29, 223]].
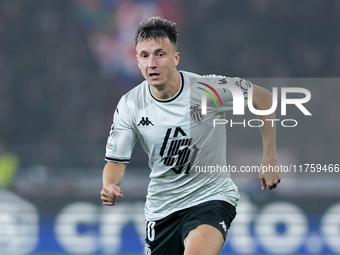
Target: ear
[[137, 61], [177, 57]]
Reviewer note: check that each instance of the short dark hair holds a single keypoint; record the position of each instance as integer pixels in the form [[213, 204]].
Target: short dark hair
[[157, 28]]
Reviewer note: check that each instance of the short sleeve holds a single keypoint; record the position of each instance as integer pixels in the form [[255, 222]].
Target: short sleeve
[[122, 137]]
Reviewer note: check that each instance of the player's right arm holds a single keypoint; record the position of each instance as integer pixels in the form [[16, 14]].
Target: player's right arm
[[113, 174], [120, 143]]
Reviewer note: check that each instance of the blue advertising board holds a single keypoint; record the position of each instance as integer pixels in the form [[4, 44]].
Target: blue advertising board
[[82, 227]]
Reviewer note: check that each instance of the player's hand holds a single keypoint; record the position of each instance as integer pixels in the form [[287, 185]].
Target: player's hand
[[270, 175], [109, 194]]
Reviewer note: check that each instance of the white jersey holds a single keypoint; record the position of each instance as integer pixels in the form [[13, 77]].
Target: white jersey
[[180, 141]]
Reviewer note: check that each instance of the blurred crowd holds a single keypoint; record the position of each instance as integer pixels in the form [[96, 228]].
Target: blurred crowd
[[53, 99], [64, 64]]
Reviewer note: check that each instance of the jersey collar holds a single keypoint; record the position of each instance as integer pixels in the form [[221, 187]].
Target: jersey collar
[[175, 96]]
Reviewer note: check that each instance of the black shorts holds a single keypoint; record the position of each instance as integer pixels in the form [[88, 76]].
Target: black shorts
[[166, 236]]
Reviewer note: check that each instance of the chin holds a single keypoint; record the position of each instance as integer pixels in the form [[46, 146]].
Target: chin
[[155, 83]]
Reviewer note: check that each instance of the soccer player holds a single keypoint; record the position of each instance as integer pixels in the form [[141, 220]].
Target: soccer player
[[187, 211]]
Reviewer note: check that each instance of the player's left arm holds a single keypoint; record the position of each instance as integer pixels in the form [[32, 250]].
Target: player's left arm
[[262, 100]]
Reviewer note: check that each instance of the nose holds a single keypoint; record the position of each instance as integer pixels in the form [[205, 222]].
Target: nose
[[152, 62]]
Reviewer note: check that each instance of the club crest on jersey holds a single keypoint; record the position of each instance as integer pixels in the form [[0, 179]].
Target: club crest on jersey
[[195, 113]]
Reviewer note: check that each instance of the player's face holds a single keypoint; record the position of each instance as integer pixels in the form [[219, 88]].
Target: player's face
[[157, 61]]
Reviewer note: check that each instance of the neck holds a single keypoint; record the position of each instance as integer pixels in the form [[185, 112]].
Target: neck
[[168, 90]]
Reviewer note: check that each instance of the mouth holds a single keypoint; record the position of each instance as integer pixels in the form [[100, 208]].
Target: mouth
[[154, 76]]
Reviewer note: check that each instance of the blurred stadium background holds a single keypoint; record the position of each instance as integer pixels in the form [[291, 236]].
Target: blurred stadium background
[[64, 64]]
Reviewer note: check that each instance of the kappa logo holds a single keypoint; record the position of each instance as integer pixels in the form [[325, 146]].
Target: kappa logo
[[145, 122], [224, 226]]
